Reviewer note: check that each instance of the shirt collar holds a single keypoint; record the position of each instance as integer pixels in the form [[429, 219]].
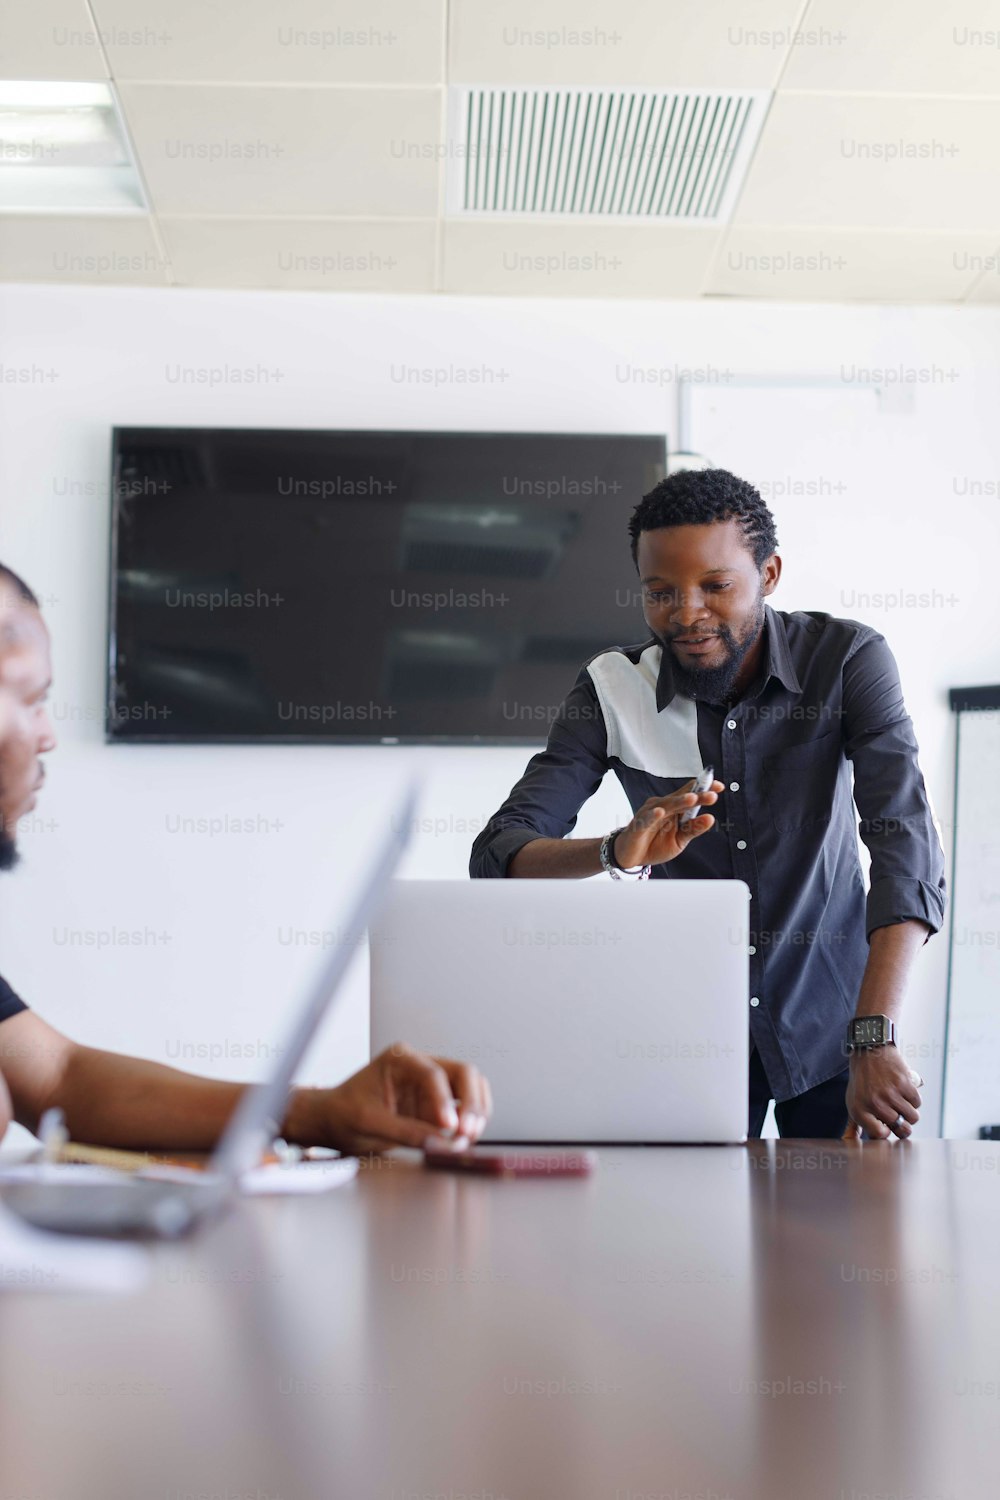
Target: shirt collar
[[778, 661]]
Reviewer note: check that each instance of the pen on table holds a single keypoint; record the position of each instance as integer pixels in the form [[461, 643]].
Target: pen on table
[[58, 1149]]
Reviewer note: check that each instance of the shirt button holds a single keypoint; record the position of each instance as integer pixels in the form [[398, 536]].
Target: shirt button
[[754, 1000], [731, 724], [734, 786], [741, 843], [751, 950]]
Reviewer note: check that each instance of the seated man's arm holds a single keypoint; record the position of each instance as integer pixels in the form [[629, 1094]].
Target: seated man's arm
[[6, 1108], [400, 1098]]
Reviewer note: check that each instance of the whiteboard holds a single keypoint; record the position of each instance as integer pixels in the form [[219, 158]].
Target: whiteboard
[[972, 1037]]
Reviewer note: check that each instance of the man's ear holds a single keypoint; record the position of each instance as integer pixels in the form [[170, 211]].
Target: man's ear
[[770, 573]]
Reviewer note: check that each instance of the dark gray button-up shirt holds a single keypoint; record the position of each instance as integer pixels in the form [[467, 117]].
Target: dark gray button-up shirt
[[828, 698], [10, 1003]]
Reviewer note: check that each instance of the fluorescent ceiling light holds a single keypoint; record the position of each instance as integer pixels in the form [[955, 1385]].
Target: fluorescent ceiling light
[[64, 149], [19, 95]]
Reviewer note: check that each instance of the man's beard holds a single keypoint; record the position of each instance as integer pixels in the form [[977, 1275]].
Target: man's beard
[[715, 684]]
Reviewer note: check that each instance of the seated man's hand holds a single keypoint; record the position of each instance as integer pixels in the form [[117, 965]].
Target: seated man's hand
[[401, 1098], [656, 833]]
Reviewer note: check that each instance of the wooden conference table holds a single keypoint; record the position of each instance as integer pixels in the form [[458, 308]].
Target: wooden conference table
[[784, 1320]]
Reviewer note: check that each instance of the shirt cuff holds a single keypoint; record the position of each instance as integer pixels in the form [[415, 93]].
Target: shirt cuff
[[900, 899], [496, 857]]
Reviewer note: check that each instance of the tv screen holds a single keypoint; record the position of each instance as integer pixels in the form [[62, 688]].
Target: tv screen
[[365, 586]]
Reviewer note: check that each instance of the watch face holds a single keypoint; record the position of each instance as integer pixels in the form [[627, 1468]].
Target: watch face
[[869, 1031]]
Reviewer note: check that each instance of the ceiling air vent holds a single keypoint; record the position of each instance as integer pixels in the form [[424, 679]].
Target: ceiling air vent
[[640, 154]]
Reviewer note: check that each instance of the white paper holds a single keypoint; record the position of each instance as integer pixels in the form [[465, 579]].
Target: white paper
[[31, 1260], [299, 1177], [275, 1177], [36, 1171]]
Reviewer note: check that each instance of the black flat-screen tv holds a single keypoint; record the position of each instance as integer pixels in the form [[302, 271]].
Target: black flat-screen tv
[[387, 587]]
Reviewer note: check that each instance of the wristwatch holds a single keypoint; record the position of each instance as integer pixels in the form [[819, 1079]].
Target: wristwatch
[[610, 863], [866, 1032]]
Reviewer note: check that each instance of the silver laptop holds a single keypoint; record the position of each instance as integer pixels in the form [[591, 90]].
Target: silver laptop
[[600, 1011], [165, 1205]]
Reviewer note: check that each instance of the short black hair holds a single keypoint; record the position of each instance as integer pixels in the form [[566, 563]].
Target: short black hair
[[16, 582], [697, 497]]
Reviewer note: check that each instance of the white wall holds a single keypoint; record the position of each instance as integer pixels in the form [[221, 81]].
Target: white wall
[[213, 971]]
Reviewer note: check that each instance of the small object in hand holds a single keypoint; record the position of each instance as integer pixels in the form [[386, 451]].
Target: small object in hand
[[513, 1161], [446, 1144], [702, 784]]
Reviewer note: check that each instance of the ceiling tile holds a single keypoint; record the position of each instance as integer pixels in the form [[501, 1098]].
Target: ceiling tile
[[108, 250], [293, 148], [256, 41], [860, 162], [260, 151], [381, 255], [895, 46], [50, 39], [576, 260], [838, 265], [685, 44]]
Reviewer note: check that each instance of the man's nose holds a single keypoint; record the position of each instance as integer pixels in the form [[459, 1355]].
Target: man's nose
[[690, 610], [46, 735]]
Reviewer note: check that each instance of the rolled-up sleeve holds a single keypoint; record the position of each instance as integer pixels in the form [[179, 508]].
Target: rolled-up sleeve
[[555, 785], [11, 1004], [897, 824]]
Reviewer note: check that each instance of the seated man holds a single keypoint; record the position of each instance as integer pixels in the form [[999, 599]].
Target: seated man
[[6, 717], [401, 1098]]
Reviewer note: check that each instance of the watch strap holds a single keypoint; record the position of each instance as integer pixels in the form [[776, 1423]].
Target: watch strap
[[610, 863]]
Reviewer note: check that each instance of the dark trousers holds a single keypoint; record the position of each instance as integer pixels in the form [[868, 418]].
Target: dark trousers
[[819, 1113]]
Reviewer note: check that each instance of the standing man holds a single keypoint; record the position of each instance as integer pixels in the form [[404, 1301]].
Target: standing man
[[401, 1098], [782, 706]]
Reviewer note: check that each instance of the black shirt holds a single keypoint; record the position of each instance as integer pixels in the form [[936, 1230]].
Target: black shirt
[[828, 698], [10, 1004]]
